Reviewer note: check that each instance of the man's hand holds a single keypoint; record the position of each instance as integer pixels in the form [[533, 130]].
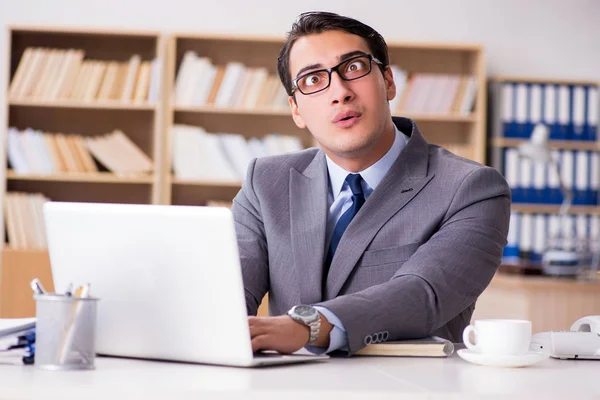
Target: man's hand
[[283, 334]]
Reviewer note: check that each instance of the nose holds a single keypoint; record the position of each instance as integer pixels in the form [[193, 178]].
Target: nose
[[339, 90]]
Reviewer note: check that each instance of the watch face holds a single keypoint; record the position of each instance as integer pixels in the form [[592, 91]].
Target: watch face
[[304, 311]]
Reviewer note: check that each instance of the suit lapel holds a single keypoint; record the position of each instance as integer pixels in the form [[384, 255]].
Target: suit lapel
[[404, 180], [308, 220]]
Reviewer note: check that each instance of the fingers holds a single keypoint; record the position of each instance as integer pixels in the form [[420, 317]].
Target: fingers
[[281, 334], [263, 333], [259, 343], [258, 326]]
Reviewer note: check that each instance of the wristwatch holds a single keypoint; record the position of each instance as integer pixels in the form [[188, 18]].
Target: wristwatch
[[308, 316]]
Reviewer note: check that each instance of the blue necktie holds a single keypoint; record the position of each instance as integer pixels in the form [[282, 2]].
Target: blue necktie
[[358, 199]]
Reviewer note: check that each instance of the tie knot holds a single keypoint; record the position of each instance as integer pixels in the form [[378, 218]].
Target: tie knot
[[354, 181]]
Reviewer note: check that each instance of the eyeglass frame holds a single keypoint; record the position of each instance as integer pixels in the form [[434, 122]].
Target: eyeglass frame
[[334, 68]]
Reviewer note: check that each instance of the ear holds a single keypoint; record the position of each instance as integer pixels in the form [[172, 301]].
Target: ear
[[296, 113], [390, 86]]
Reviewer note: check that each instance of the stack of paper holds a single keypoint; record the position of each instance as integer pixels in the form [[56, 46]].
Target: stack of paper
[[17, 340]]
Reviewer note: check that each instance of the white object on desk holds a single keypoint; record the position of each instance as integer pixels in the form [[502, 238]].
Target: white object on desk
[[169, 278], [508, 361], [582, 341], [498, 336], [9, 326]]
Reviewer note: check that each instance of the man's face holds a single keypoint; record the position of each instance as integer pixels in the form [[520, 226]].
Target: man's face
[[364, 100]]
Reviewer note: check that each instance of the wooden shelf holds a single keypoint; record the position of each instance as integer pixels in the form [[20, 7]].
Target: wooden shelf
[[278, 40], [98, 177], [284, 112], [78, 104], [83, 30], [523, 79], [200, 192], [553, 209], [207, 183], [555, 144], [463, 134], [439, 117], [19, 267], [267, 112]]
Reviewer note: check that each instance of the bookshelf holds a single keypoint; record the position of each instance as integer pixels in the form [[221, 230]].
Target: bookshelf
[[37, 100], [87, 86], [569, 108], [461, 132]]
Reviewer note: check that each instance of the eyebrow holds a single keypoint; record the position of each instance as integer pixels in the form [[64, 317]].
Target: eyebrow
[[342, 58]]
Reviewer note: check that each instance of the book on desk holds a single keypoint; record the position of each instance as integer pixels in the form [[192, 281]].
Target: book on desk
[[432, 346]]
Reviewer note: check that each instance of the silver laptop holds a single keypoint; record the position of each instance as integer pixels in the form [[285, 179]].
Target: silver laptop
[[168, 279]]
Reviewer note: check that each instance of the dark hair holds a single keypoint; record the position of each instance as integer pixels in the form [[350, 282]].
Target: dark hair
[[318, 22]]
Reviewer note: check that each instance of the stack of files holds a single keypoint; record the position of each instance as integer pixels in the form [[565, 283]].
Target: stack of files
[[432, 346], [433, 93], [529, 233], [35, 152], [201, 83], [538, 182], [570, 111], [49, 74], [17, 341], [222, 157], [23, 213]]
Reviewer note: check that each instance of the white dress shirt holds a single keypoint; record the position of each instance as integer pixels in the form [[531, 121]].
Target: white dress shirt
[[340, 199]]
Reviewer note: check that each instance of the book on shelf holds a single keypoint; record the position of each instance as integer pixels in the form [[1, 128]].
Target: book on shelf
[[530, 234], [433, 93], [432, 346], [119, 154], [224, 157], [539, 183], [571, 111], [234, 85], [35, 152], [49, 74], [23, 215]]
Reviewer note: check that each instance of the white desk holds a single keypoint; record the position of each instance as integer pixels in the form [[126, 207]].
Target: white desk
[[345, 378]]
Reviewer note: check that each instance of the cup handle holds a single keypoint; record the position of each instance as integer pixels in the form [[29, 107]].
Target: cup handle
[[467, 338]]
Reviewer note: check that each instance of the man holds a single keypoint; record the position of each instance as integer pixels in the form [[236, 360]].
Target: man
[[376, 236]]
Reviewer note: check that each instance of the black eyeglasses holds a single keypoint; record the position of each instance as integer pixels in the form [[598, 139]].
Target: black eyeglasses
[[348, 70]]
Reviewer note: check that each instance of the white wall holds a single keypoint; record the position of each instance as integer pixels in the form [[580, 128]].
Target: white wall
[[545, 38]]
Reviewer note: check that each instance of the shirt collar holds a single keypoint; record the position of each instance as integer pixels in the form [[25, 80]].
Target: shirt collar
[[373, 174]]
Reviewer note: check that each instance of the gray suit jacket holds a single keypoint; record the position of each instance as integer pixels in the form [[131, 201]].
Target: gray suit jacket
[[412, 262]]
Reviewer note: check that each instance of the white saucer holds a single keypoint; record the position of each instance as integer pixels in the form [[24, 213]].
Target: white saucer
[[525, 360]]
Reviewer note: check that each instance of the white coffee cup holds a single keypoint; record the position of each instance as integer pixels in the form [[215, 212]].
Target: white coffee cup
[[506, 337]]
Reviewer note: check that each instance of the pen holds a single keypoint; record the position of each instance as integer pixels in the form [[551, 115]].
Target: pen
[[37, 287], [81, 292]]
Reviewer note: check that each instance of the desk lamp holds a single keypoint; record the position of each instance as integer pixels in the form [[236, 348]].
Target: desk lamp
[[556, 259]]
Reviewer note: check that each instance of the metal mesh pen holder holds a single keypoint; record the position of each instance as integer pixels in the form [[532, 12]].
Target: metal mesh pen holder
[[65, 332]]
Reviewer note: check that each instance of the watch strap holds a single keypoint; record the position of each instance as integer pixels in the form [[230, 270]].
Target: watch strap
[[315, 327]]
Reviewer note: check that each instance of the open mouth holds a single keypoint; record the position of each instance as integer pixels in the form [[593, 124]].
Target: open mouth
[[345, 117]]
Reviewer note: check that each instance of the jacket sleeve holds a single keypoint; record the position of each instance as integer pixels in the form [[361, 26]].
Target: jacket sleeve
[[444, 276], [252, 243]]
